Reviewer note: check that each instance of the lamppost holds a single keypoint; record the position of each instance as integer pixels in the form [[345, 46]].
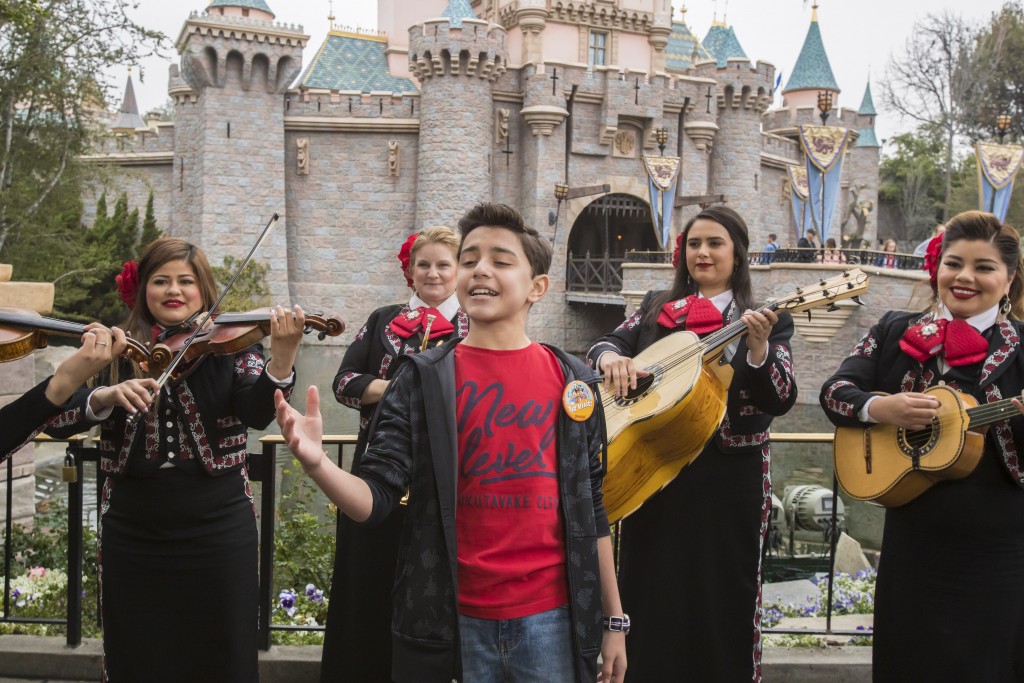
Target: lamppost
[[1003, 122], [661, 135], [561, 192]]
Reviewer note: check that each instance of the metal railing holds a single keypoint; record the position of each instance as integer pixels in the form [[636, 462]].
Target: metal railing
[[601, 273], [263, 469], [853, 257]]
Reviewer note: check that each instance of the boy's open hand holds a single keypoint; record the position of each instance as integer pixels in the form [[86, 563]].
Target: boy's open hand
[[303, 433], [613, 658]]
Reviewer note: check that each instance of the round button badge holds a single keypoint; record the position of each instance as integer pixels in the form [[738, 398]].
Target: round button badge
[[578, 401]]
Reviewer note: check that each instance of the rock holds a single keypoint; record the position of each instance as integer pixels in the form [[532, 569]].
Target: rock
[[789, 592], [850, 558]]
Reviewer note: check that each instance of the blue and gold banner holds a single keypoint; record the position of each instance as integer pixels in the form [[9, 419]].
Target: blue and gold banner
[[997, 169], [661, 176], [824, 147], [798, 194]]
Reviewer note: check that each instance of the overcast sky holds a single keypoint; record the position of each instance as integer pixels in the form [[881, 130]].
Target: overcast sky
[[859, 36]]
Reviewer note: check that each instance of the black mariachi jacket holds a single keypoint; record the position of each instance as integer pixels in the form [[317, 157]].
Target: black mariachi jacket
[[209, 412], [414, 445], [372, 354], [756, 395], [23, 419], [878, 364]]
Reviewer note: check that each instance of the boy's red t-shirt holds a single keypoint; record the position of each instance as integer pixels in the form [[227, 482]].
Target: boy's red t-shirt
[[508, 520]]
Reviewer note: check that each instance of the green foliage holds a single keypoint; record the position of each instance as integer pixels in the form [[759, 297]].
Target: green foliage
[[304, 546], [44, 547], [87, 291], [53, 61], [251, 289], [149, 230]]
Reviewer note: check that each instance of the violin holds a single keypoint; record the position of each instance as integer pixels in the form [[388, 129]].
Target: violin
[[228, 334], [23, 331]]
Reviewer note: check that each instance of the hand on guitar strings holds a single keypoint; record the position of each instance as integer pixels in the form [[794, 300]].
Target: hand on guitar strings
[[620, 374], [1018, 403], [910, 410], [759, 328]]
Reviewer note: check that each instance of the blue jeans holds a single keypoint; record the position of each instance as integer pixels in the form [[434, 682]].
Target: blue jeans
[[533, 649]]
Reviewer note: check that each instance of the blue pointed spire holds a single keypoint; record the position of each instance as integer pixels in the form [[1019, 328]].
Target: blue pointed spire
[[867, 105], [247, 4], [812, 70], [682, 46], [722, 43], [457, 10]]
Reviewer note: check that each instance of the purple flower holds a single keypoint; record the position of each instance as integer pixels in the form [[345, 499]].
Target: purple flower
[[310, 590], [287, 599], [317, 595]]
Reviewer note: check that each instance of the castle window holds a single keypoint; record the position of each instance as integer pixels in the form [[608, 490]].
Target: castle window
[[245, 11], [598, 45]]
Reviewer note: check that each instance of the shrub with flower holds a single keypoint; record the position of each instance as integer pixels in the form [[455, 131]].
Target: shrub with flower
[[305, 609], [40, 593], [851, 594]]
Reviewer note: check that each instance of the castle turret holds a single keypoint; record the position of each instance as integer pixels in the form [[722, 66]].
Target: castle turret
[[456, 59], [229, 177], [862, 171], [812, 72], [722, 43], [128, 120], [744, 93]]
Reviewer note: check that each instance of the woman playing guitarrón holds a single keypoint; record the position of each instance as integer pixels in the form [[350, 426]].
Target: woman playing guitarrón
[[693, 587], [949, 602]]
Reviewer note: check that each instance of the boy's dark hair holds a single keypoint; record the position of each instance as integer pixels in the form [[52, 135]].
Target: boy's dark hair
[[772, 236], [537, 249]]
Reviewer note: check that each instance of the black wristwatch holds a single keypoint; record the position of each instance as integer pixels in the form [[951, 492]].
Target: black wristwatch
[[616, 623]]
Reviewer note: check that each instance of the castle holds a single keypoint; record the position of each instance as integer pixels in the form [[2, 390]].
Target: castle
[[455, 102]]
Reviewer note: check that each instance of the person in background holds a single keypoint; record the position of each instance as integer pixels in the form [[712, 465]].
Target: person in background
[[832, 254], [693, 585], [949, 600], [809, 241], [178, 532], [771, 247], [357, 641]]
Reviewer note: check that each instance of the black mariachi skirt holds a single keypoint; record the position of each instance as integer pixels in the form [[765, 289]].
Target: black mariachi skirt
[[949, 601], [357, 642], [178, 579], [690, 572]]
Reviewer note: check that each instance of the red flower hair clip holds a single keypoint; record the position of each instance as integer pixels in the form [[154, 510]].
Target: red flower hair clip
[[405, 256], [932, 256], [678, 251], [128, 283]]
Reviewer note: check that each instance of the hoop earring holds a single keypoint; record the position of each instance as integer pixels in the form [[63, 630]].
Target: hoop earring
[[1004, 306]]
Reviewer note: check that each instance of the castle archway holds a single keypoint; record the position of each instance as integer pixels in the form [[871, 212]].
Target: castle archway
[[604, 230]]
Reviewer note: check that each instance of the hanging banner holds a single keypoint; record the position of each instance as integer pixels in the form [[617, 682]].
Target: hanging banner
[[661, 177], [997, 169], [824, 147], [798, 194]]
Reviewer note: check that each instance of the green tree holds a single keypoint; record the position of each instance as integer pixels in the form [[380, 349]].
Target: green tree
[[53, 54], [936, 82], [149, 230], [250, 289]]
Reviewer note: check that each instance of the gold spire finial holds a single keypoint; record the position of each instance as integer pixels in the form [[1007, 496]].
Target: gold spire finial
[[814, 12], [330, 13]]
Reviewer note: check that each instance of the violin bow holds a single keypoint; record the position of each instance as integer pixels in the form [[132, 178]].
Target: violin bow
[[169, 370]]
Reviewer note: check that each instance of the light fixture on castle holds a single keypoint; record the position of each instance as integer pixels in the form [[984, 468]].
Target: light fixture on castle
[[824, 105], [1003, 122], [661, 135]]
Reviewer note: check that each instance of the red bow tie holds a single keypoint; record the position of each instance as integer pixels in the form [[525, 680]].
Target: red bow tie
[[415, 321], [958, 341], [699, 314]]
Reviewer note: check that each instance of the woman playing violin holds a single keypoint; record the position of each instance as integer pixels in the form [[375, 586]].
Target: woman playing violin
[[357, 645], [178, 526], [41, 406], [690, 558], [949, 601]]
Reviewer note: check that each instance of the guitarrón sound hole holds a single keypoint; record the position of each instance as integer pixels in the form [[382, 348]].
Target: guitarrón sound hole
[[643, 385]]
